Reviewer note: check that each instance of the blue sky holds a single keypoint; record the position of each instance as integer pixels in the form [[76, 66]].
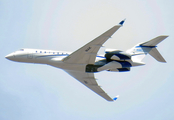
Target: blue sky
[[33, 91]]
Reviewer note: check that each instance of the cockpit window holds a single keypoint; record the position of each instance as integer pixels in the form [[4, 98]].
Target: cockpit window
[[21, 49]]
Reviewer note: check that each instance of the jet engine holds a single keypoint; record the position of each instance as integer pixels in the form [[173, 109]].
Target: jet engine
[[117, 55], [119, 70]]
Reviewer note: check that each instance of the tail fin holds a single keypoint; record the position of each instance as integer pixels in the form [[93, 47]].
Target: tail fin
[[139, 51]]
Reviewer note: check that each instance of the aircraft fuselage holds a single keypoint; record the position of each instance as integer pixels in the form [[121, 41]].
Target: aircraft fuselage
[[55, 58]]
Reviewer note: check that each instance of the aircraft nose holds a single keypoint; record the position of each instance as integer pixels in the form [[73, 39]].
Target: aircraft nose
[[10, 56]]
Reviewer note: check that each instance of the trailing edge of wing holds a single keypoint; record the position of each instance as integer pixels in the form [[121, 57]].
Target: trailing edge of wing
[[89, 81], [87, 53]]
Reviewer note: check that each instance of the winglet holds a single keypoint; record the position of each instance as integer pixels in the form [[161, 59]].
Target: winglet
[[115, 98], [121, 23]]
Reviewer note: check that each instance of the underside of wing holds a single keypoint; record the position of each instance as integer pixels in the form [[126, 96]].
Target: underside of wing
[[87, 53], [89, 81]]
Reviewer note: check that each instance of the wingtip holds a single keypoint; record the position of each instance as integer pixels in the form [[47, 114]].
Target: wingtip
[[115, 98], [121, 23]]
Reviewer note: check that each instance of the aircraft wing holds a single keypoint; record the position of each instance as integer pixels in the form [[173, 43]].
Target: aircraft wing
[[87, 53], [89, 81]]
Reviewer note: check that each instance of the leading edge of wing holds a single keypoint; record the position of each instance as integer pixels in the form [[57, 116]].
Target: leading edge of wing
[[87, 53], [89, 81]]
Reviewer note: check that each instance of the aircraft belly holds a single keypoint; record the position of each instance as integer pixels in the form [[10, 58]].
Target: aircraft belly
[[68, 66], [75, 67]]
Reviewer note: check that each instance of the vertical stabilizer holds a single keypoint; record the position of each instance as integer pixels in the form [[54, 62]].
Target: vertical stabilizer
[[139, 51]]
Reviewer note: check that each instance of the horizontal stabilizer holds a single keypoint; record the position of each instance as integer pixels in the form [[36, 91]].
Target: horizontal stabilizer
[[154, 53], [154, 41]]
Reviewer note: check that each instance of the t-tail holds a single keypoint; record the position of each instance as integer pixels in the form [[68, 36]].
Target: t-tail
[[139, 51]]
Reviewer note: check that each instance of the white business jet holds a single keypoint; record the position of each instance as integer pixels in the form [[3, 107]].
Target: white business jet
[[84, 62]]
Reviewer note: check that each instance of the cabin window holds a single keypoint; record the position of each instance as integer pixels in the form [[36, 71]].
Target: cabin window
[[36, 51], [40, 51]]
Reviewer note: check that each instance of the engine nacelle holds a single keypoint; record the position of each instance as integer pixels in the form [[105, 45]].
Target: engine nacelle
[[117, 55], [117, 66], [119, 70], [114, 65]]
